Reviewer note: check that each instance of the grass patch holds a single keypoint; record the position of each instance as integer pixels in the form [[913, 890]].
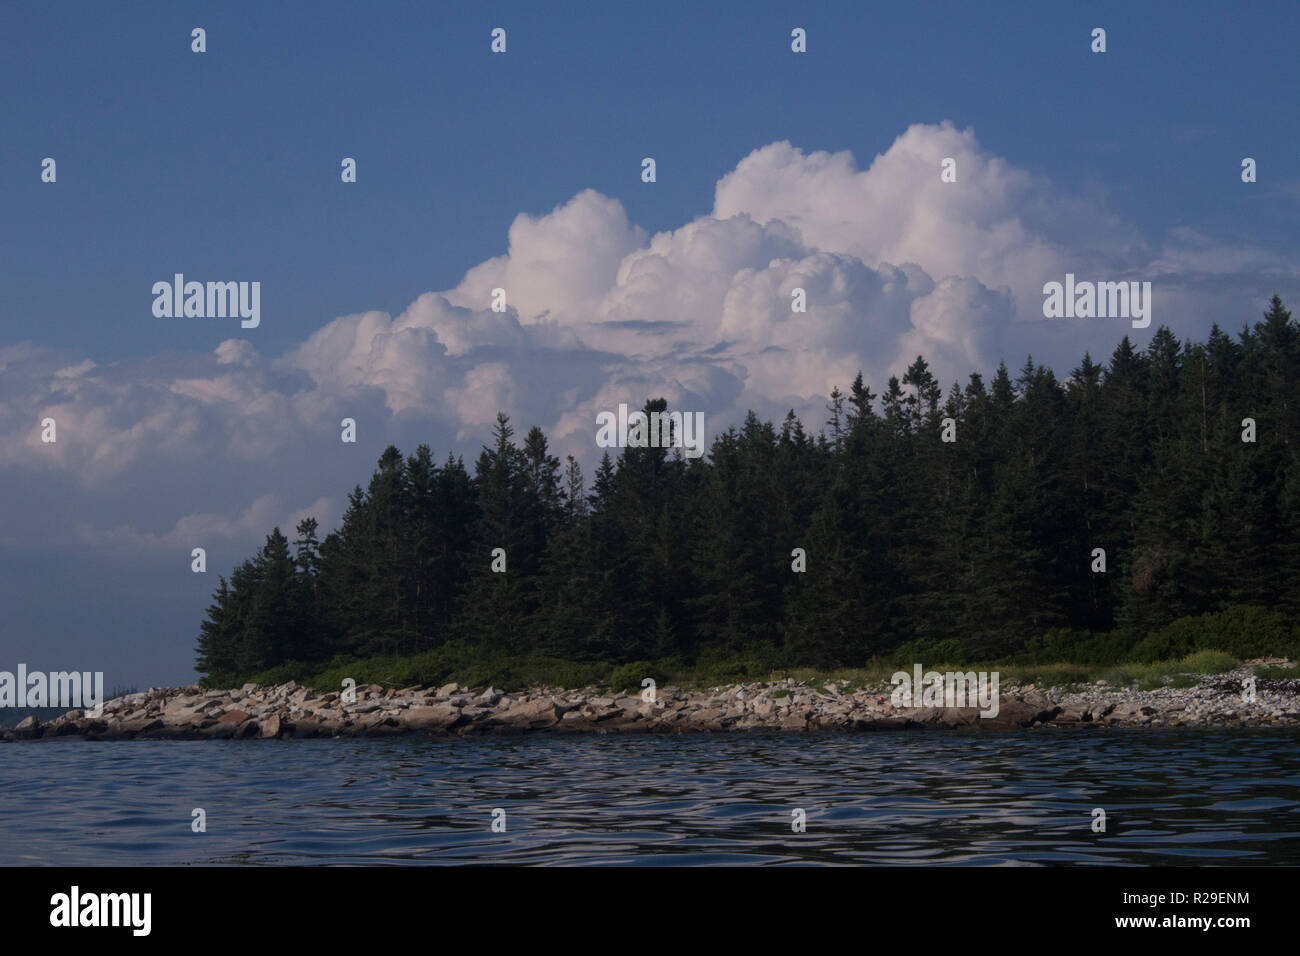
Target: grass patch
[[1179, 673], [627, 678], [1206, 662], [1047, 675], [1276, 673], [443, 665], [470, 669]]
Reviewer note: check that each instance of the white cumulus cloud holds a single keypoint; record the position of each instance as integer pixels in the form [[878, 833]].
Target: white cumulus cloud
[[893, 262]]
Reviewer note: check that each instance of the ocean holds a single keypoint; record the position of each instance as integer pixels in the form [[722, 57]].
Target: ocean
[[1170, 797]]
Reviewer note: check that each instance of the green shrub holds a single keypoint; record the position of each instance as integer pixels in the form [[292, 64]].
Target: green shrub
[[1124, 675], [627, 677], [429, 668], [754, 663], [570, 674], [928, 653], [1206, 662], [1242, 631], [280, 674], [1277, 673], [1058, 644], [1078, 647], [1052, 675]]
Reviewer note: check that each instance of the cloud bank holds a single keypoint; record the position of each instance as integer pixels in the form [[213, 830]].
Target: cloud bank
[[162, 451]]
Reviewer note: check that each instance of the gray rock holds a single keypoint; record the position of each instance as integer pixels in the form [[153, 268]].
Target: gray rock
[[141, 725], [432, 718]]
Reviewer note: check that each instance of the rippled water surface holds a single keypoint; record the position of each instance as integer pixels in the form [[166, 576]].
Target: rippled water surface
[[1172, 797]]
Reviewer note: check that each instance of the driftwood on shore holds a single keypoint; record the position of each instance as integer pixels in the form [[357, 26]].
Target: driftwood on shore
[[288, 710]]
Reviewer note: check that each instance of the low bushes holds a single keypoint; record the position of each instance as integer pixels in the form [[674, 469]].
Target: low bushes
[[1242, 631]]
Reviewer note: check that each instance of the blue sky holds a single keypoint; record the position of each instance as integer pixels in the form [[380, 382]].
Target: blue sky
[[225, 165], [229, 160]]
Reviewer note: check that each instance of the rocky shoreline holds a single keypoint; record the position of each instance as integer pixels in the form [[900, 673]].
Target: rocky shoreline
[[288, 710]]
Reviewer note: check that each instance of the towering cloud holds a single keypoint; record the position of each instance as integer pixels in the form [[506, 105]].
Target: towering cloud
[[893, 262]]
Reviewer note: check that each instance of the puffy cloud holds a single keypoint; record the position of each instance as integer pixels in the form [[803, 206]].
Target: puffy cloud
[[997, 224], [955, 327], [894, 263], [559, 262], [203, 530]]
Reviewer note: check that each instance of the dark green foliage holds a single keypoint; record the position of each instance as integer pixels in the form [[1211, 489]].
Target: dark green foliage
[[1080, 647], [1242, 631], [915, 548], [628, 677]]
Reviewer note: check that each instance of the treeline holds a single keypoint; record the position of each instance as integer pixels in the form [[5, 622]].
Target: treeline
[[972, 549]]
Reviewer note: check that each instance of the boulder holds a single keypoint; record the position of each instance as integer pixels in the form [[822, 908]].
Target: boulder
[[1100, 709], [576, 721], [1074, 714], [377, 724], [794, 721], [436, 717], [333, 727], [704, 718], [1020, 712], [217, 731], [141, 725], [535, 714], [175, 715], [959, 717], [301, 727]]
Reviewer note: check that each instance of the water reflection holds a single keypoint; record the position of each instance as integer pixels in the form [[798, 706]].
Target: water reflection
[[1171, 797]]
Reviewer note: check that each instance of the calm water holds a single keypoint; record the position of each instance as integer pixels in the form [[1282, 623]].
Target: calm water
[[1173, 797]]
